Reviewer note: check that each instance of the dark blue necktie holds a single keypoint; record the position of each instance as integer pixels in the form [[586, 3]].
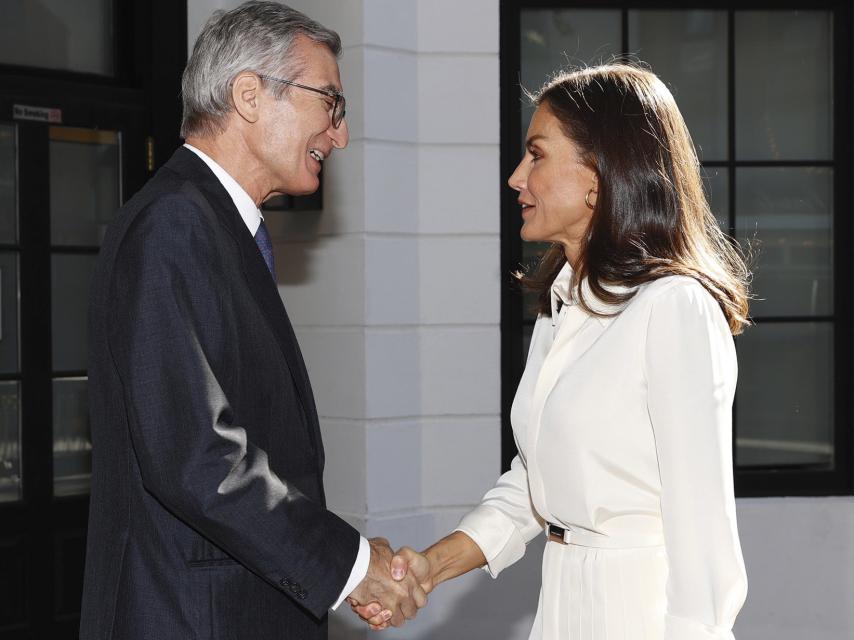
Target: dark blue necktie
[[265, 244]]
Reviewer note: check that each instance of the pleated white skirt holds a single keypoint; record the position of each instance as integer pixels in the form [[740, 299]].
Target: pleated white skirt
[[601, 594]]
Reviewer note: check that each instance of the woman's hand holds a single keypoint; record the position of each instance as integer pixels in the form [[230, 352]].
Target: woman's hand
[[452, 556], [405, 561]]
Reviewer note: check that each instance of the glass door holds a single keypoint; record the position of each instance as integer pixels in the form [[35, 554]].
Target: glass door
[[60, 185]]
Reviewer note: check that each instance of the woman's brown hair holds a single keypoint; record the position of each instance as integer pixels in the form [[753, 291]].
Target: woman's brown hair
[[651, 217]]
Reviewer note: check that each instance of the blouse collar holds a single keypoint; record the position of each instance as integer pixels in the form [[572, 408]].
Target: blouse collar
[[561, 295]]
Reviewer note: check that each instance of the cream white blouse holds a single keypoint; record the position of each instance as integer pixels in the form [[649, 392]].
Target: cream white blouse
[[623, 426]]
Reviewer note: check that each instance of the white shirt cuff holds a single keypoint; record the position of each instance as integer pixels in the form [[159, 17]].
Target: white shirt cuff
[[360, 570], [497, 536]]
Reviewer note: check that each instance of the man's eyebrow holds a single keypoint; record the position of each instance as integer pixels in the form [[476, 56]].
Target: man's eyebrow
[[534, 138], [331, 88]]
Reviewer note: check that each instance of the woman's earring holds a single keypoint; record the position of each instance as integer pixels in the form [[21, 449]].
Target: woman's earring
[[587, 198]]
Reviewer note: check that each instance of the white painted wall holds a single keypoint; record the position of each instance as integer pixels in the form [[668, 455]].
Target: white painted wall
[[394, 291], [799, 554]]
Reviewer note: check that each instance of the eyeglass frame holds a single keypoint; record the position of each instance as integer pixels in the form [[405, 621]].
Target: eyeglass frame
[[335, 95]]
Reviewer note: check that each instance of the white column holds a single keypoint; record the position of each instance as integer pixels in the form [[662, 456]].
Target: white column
[[394, 292]]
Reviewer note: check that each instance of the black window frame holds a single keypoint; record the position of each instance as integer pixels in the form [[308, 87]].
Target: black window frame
[[748, 482]]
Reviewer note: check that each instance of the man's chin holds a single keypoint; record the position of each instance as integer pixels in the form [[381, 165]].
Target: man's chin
[[305, 188], [308, 186]]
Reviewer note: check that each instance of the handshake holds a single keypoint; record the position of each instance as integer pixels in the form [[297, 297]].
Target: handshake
[[395, 587]]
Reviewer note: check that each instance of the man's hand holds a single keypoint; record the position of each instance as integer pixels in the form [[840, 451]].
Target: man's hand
[[406, 563], [392, 600]]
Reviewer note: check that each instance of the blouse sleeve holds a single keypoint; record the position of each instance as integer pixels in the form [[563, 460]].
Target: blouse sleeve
[[505, 520], [691, 374]]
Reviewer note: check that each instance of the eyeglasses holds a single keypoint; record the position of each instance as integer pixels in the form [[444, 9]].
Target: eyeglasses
[[339, 106]]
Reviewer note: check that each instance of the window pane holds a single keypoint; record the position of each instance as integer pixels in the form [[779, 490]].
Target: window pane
[[8, 185], [69, 297], [58, 34], [72, 441], [554, 39], [8, 312], [688, 51], [84, 184], [10, 443], [787, 214], [784, 80], [784, 407], [716, 186]]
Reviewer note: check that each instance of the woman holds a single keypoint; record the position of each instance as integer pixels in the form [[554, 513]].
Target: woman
[[622, 417]]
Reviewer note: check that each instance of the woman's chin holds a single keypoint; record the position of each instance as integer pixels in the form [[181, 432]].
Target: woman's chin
[[527, 234]]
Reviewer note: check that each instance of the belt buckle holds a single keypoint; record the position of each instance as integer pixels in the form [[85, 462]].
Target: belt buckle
[[557, 534]]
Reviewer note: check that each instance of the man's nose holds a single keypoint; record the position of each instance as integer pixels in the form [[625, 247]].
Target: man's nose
[[341, 135]]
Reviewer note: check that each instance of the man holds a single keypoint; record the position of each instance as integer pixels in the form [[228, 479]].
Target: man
[[207, 514]]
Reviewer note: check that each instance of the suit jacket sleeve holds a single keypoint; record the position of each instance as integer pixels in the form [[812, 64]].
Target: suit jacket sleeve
[[169, 346], [691, 376]]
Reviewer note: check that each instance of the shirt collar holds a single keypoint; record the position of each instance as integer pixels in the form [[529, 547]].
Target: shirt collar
[[560, 293], [563, 295], [245, 205]]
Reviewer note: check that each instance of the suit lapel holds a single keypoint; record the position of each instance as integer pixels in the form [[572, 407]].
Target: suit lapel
[[266, 294], [261, 285]]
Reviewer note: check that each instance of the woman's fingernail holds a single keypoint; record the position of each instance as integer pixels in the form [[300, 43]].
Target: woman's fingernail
[[386, 615], [397, 574]]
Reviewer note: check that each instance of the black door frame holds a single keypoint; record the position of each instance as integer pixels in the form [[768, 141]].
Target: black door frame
[[142, 100]]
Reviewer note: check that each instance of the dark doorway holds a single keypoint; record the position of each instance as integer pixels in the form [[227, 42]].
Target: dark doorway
[[89, 107]]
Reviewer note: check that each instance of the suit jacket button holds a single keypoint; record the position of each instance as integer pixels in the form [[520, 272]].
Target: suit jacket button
[[302, 594], [286, 582]]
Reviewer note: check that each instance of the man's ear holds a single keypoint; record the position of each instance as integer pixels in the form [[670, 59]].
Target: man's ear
[[245, 94]]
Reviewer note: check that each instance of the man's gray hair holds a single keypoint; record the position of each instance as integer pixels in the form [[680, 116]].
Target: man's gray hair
[[256, 36]]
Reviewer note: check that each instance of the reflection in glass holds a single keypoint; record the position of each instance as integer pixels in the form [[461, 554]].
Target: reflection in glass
[[786, 214], [84, 184], [58, 34], [8, 185], [72, 441], [554, 39], [531, 254], [9, 294], [69, 297], [784, 85], [10, 443], [784, 407], [716, 186], [688, 51]]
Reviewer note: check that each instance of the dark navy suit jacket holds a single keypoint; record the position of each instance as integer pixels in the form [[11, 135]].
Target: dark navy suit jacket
[[207, 516]]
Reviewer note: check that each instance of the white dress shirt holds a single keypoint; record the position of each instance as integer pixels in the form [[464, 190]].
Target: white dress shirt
[[252, 217], [624, 431]]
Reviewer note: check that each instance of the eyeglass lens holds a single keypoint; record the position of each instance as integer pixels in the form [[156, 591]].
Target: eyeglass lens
[[339, 111]]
